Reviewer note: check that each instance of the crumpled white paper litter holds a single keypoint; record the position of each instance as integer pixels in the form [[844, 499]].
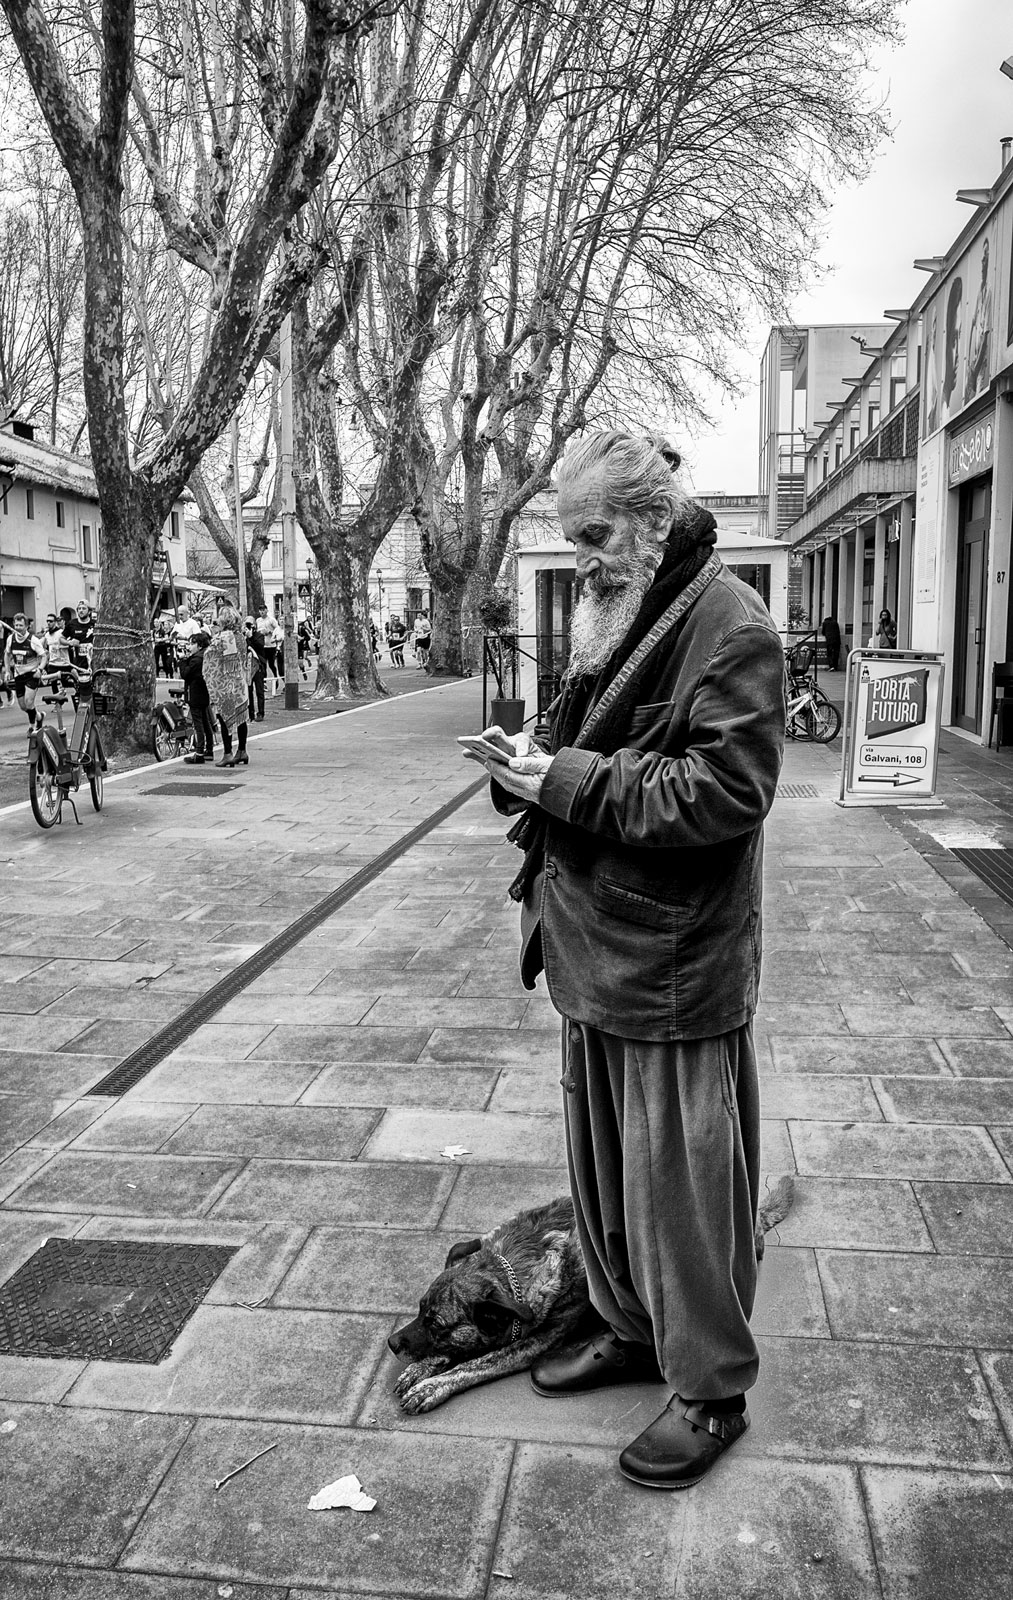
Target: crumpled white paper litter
[[452, 1151], [342, 1492]]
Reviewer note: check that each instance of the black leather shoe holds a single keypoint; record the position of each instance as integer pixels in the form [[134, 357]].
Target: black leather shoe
[[603, 1364], [680, 1447]]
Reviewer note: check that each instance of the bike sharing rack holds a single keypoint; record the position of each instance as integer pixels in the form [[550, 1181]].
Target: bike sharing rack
[[892, 716]]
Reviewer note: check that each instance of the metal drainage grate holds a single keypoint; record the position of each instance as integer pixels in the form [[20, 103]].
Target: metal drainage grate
[[207, 790], [993, 867], [796, 791], [106, 1300]]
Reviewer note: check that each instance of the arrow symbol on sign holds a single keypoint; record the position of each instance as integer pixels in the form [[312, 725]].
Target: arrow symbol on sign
[[896, 778]]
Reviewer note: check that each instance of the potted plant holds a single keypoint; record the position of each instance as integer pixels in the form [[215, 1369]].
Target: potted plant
[[495, 610]]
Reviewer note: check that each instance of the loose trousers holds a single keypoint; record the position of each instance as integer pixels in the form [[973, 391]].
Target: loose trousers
[[663, 1147]]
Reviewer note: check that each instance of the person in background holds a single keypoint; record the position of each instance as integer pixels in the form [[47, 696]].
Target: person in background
[[184, 627], [57, 644], [255, 670], [191, 670], [423, 640], [303, 636], [23, 660], [80, 630], [225, 673], [886, 631], [831, 631], [162, 646], [6, 632], [396, 637]]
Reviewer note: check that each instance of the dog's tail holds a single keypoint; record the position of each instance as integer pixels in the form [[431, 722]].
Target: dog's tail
[[773, 1209]]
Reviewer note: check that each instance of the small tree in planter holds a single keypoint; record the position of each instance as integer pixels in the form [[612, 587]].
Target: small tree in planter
[[495, 610]]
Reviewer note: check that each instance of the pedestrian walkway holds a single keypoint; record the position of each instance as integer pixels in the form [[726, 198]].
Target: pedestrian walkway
[[304, 1126]]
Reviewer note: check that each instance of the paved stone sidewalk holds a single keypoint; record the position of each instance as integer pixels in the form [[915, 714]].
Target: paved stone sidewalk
[[304, 1125]]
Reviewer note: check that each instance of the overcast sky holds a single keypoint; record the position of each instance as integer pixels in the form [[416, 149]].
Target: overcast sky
[[949, 106]]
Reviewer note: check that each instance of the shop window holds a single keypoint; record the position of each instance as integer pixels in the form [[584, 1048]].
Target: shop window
[[30, 504], [86, 545], [61, 520]]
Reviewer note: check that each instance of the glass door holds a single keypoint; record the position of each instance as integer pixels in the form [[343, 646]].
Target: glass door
[[969, 632]]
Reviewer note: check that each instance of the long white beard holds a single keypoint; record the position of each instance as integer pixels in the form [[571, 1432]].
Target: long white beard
[[603, 617]]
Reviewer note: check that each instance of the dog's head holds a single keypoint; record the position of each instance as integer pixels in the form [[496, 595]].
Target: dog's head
[[464, 1312]]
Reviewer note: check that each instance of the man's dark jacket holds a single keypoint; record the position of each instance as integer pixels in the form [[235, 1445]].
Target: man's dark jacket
[[646, 916]]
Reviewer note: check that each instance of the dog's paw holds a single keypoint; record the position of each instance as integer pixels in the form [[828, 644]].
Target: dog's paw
[[416, 1371], [424, 1396]]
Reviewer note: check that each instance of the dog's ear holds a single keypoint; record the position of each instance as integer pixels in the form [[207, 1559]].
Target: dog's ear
[[489, 1314], [458, 1251]]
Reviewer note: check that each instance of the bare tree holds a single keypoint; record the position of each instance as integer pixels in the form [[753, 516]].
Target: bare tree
[[421, 84], [83, 82], [668, 170]]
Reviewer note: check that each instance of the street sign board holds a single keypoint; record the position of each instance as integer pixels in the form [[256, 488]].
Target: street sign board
[[892, 715]]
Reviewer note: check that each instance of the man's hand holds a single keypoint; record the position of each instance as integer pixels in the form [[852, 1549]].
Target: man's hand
[[520, 776]]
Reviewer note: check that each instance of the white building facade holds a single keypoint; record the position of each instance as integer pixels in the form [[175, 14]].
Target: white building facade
[[51, 528]]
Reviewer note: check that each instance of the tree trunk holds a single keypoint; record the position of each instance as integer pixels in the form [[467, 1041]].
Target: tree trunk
[[447, 653], [346, 669], [131, 527]]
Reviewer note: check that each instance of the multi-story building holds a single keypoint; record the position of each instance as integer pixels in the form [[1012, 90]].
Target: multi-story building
[[915, 513], [51, 527]]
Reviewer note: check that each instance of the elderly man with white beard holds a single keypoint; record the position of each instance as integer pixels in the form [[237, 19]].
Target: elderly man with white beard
[[640, 895]]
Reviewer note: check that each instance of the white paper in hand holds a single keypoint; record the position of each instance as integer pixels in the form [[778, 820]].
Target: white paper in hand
[[342, 1492]]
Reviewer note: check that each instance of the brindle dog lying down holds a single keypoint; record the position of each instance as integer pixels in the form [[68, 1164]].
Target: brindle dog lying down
[[503, 1301]]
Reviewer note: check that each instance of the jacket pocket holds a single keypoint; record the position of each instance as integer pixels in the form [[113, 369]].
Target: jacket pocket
[[632, 905]]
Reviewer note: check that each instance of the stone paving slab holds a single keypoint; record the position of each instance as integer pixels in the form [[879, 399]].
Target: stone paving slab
[[310, 1366], [889, 1150], [26, 1581], [180, 1078], [77, 1482], [941, 1535], [381, 1195], [968, 1218], [389, 1084], [421, 1135], [126, 1185], [736, 1539], [431, 1535], [352, 1269], [837, 1056], [973, 1100], [856, 1214], [919, 1299], [293, 1132]]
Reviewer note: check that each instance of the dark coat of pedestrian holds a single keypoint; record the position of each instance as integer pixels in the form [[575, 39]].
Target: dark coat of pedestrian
[[831, 631]]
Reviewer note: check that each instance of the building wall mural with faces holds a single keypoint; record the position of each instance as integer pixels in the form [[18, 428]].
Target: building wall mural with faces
[[960, 334]]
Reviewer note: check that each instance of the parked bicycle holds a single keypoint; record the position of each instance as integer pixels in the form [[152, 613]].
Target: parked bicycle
[[810, 715], [172, 732], [57, 761]]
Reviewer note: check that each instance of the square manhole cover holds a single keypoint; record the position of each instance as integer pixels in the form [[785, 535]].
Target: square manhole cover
[[106, 1300], [207, 790], [796, 791]]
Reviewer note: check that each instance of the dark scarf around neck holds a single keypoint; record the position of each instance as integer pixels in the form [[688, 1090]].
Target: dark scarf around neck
[[687, 551]]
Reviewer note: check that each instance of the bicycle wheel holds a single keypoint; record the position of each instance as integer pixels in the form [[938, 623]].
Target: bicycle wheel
[[94, 769], [162, 743], [823, 718], [44, 792]]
